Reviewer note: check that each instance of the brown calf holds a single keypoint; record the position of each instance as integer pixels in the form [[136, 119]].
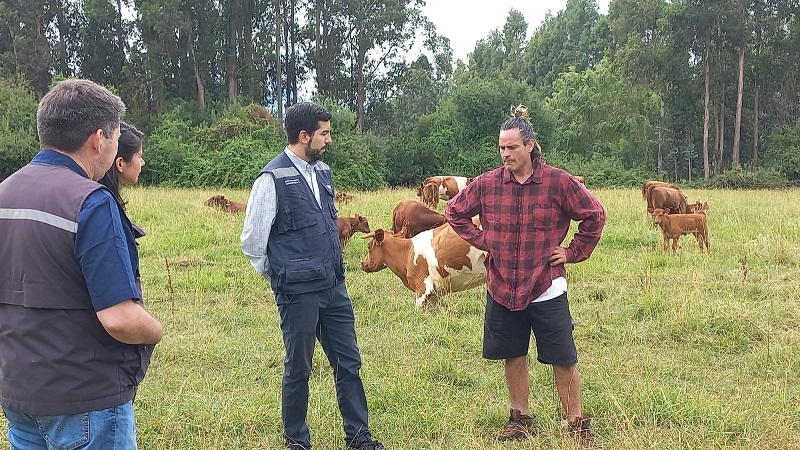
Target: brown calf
[[697, 207], [673, 226], [219, 201], [348, 227]]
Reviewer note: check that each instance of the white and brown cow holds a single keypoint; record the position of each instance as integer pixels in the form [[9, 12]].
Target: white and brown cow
[[447, 187], [431, 264]]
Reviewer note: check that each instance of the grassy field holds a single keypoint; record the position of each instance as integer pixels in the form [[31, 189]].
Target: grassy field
[[676, 352]]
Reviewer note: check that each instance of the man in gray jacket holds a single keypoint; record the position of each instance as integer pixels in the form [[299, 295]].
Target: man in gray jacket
[[75, 339]]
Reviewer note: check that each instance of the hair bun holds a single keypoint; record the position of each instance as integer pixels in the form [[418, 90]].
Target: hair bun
[[520, 111]]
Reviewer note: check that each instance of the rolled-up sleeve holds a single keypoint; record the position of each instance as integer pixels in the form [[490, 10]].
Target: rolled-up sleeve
[[262, 207], [459, 212], [583, 207]]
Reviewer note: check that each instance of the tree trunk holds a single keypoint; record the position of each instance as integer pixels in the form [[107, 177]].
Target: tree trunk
[[198, 78], [737, 127], [721, 141], [291, 74], [232, 64], [250, 86], [717, 135], [278, 66], [361, 92], [121, 41], [61, 48], [706, 113], [660, 164], [755, 125]]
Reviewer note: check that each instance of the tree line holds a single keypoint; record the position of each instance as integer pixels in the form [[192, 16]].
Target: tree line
[[687, 90]]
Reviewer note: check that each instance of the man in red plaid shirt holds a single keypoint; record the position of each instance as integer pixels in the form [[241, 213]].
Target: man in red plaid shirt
[[525, 209]]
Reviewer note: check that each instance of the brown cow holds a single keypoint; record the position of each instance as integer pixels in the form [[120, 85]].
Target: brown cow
[[431, 264], [343, 197], [219, 201], [430, 195], [647, 187], [348, 227], [668, 198], [414, 217], [673, 226]]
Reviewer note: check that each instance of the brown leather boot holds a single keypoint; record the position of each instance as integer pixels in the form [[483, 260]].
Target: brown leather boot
[[518, 427], [579, 429]]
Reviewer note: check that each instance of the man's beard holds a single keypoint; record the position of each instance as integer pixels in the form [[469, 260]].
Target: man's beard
[[314, 154]]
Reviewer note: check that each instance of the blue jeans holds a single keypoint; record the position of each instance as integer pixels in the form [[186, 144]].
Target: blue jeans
[[108, 429]]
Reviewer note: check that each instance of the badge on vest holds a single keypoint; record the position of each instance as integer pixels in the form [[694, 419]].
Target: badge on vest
[[291, 181]]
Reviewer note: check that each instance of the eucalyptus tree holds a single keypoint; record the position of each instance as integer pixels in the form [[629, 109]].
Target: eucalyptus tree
[[360, 48], [576, 37], [775, 68], [501, 52], [103, 37], [599, 112], [65, 44], [653, 52], [26, 41]]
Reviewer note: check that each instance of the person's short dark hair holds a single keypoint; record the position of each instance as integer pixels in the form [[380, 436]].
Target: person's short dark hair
[[519, 119], [130, 141], [73, 110], [304, 116]]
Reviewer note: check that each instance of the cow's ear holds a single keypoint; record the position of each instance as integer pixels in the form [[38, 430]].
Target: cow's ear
[[379, 236], [650, 210], [360, 218]]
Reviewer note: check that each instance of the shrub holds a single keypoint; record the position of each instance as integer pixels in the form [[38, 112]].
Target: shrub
[[749, 178], [18, 138]]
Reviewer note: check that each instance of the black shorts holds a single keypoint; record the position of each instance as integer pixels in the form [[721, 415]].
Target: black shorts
[[507, 334]]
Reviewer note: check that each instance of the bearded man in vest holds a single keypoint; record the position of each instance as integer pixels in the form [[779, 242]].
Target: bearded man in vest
[[291, 237], [75, 339]]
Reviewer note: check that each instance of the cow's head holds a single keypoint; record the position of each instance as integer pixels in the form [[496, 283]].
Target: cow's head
[[217, 200], [420, 189], [361, 224], [658, 215], [375, 258], [430, 195]]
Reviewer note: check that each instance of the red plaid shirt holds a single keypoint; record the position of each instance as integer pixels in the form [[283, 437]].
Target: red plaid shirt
[[522, 224]]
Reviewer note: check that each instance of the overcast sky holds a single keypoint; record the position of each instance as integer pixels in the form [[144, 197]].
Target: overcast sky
[[467, 21]]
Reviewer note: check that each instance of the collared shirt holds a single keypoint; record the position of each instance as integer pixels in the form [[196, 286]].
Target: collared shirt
[[521, 225], [262, 206], [101, 248]]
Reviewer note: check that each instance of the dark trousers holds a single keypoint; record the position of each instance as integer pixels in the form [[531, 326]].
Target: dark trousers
[[326, 316]]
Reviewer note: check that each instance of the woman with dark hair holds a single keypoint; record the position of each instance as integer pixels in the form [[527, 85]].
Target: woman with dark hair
[[128, 163], [125, 170]]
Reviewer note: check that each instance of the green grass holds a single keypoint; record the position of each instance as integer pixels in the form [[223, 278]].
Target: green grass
[[677, 352]]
